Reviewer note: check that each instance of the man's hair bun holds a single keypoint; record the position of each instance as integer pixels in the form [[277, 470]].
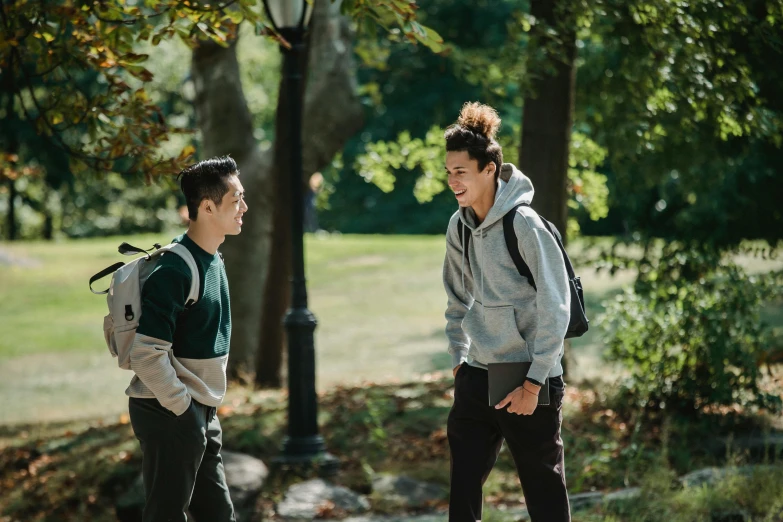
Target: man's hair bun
[[479, 118]]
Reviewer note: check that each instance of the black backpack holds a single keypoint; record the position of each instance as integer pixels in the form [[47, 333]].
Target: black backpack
[[578, 324]]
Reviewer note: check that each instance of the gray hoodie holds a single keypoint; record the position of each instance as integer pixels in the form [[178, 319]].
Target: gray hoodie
[[493, 313]]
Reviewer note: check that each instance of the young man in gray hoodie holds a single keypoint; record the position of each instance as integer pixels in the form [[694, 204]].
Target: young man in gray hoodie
[[496, 315]]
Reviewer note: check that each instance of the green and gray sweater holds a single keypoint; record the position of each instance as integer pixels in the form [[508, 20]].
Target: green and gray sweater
[[179, 354]]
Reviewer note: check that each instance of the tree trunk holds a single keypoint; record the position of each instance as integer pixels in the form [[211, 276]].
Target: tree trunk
[[12, 147], [226, 126], [11, 212], [333, 113], [48, 228], [326, 126], [548, 117], [547, 120]]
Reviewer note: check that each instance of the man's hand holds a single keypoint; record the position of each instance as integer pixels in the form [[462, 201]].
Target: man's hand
[[522, 401], [456, 369]]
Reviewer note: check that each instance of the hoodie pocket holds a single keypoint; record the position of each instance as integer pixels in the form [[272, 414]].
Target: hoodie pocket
[[494, 334]]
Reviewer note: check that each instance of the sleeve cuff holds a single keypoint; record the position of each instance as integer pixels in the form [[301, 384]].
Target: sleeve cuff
[[538, 372], [459, 355], [180, 406]]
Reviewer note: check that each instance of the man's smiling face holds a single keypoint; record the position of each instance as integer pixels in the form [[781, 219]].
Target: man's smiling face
[[467, 182], [228, 216]]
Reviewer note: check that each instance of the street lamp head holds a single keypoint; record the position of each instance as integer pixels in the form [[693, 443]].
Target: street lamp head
[[289, 15]]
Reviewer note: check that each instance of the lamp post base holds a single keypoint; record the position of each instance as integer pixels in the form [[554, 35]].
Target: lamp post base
[[306, 453]]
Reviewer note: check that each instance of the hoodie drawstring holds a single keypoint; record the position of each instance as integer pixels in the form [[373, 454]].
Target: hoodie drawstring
[[465, 232], [481, 256], [464, 242]]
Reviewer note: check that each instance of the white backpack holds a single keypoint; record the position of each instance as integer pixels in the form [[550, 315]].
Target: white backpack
[[124, 295]]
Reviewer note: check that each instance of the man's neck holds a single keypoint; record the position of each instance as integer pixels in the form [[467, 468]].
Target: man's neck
[[208, 242], [484, 205]]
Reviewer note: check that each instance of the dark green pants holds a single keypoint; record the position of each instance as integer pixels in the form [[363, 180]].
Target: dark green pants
[[182, 467]]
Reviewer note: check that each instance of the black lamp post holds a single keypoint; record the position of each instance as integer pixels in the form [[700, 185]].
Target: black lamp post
[[303, 445]]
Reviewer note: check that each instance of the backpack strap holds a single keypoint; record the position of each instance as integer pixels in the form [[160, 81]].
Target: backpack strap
[[195, 281], [130, 250], [553, 230], [464, 240], [103, 273], [513, 245]]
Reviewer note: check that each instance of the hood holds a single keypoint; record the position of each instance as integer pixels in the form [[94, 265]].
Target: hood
[[514, 189]]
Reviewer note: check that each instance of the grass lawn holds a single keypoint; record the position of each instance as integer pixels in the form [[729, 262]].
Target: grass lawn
[[378, 300]]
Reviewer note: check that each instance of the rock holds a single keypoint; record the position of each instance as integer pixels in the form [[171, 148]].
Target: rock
[[400, 518], [513, 514], [702, 476], [308, 500], [401, 492], [623, 495], [581, 501], [130, 505], [709, 476], [245, 476]]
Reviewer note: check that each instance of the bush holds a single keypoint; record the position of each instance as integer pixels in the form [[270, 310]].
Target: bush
[[690, 332], [754, 494]]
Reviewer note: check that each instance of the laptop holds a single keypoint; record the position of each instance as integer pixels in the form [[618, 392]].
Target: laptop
[[506, 377]]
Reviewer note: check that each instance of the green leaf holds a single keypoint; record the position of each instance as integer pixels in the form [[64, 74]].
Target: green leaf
[[133, 58]]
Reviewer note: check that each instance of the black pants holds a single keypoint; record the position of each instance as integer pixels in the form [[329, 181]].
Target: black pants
[[182, 466], [476, 432]]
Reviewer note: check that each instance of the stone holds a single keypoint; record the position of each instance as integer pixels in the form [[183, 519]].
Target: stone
[[709, 476], [308, 500], [508, 514], [701, 477], [623, 495], [130, 505], [399, 518], [580, 501], [402, 492], [245, 476]]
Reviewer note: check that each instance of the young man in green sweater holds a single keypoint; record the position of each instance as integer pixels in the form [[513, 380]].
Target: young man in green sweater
[[179, 357]]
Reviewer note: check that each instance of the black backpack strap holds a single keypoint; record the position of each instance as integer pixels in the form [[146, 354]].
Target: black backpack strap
[[130, 250], [103, 273], [513, 245], [553, 230], [464, 239]]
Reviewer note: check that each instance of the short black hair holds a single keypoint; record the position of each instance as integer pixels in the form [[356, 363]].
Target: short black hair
[[207, 179], [474, 133]]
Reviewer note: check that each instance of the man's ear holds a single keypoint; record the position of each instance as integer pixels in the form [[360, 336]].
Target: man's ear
[[492, 168], [207, 206]]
